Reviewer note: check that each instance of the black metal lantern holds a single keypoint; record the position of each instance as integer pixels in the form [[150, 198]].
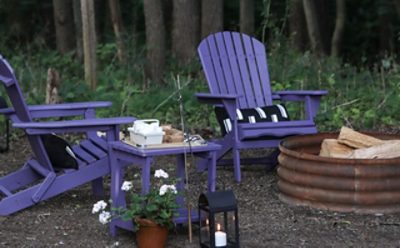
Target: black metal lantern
[[6, 136], [218, 219]]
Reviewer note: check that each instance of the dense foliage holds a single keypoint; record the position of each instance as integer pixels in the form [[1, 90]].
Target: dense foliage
[[364, 97], [363, 85]]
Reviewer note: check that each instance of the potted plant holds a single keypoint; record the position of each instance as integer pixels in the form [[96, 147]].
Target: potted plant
[[152, 213]]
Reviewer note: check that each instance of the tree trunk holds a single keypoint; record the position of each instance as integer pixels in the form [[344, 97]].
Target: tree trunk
[[168, 9], [397, 6], [64, 25], [186, 30], [297, 25], [339, 27], [89, 42], [322, 11], [116, 20], [212, 16], [247, 16], [52, 86], [78, 29], [100, 10], [136, 9], [386, 38], [155, 40], [312, 27]]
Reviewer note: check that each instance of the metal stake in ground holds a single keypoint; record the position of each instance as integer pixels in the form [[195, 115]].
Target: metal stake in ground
[[181, 112]]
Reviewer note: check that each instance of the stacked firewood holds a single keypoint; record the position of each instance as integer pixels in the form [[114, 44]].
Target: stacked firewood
[[172, 135], [355, 145]]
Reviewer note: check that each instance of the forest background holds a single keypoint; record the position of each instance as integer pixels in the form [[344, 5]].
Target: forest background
[[134, 52]]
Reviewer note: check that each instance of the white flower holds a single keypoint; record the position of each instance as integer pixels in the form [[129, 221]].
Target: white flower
[[161, 173], [100, 205], [165, 188], [126, 186], [172, 188], [104, 217]]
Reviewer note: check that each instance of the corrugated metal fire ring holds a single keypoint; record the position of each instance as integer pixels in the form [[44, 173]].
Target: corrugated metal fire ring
[[345, 185]]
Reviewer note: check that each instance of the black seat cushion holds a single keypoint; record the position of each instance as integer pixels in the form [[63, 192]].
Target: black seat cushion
[[273, 113], [59, 151]]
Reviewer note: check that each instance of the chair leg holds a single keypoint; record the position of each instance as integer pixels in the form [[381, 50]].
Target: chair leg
[[236, 164], [98, 188]]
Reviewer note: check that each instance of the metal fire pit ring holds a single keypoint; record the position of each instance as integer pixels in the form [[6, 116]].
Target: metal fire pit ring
[[343, 185]]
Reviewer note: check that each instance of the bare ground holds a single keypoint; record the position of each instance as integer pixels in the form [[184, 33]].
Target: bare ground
[[265, 221]]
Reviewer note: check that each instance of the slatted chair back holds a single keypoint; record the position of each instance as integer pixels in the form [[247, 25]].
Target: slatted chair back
[[236, 63], [22, 113], [235, 66]]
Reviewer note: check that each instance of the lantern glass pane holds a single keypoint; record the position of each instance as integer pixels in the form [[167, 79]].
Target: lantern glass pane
[[204, 228], [231, 227], [220, 227]]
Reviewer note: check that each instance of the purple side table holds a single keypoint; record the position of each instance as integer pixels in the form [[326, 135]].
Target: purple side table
[[122, 154]]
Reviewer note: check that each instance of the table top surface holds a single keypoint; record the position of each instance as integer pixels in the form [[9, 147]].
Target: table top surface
[[124, 147]]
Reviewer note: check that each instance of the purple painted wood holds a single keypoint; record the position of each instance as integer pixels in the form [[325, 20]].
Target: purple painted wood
[[93, 149], [236, 77], [142, 158], [36, 180], [235, 66]]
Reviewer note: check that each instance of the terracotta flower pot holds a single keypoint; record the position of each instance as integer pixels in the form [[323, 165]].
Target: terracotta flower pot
[[150, 234]]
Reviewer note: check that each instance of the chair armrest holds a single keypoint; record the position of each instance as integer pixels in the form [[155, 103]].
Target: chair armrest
[[85, 125], [59, 110], [311, 99], [215, 99], [298, 95], [229, 101]]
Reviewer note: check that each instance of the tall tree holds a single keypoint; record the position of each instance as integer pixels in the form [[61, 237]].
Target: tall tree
[[100, 9], [314, 33], [397, 6], [155, 40], [297, 25], [247, 16], [339, 27], [63, 21], [322, 8], [386, 36], [116, 20], [212, 16], [78, 29], [186, 29], [89, 42], [136, 9]]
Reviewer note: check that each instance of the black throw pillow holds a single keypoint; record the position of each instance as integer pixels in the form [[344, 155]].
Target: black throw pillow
[[59, 151], [273, 113]]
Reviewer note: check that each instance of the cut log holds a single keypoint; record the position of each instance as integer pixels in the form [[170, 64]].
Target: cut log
[[174, 138], [356, 139], [172, 135], [332, 148], [52, 86], [389, 149]]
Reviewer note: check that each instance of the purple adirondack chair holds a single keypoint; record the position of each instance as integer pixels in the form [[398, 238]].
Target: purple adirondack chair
[[235, 66], [39, 178]]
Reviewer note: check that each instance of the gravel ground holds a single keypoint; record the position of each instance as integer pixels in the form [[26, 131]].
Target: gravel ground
[[265, 221]]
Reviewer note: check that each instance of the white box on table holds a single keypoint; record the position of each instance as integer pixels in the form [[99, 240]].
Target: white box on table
[[146, 132]]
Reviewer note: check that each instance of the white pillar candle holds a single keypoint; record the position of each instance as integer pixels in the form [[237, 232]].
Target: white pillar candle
[[220, 237]]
